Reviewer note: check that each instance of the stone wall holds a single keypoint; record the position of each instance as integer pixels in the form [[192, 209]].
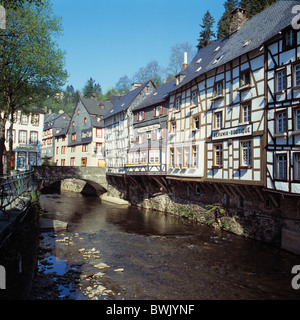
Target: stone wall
[[258, 215]]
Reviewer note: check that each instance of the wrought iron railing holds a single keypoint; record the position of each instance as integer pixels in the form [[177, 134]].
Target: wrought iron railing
[[13, 190]]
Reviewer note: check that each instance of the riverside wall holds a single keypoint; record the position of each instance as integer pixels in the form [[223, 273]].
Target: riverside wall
[[258, 215]]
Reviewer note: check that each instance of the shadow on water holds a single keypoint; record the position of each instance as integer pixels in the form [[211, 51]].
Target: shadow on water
[[156, 255]]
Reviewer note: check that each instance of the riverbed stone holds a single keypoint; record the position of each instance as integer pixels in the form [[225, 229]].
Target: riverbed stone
[[101, 265]]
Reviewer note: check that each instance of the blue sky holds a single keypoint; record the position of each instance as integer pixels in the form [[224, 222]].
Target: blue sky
[[107, 39]]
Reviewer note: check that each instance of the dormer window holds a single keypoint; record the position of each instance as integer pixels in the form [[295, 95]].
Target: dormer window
[[246, 42], [217, 60], [199, 60], [217, 49]]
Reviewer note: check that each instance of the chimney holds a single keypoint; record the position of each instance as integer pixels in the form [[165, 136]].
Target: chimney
[[237, 18], [135, 85], [185, 61]]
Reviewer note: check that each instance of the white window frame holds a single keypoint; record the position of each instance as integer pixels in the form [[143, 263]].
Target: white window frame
[[246, 153]]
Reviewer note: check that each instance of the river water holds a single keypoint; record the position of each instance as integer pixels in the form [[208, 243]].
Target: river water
[[151, 255]]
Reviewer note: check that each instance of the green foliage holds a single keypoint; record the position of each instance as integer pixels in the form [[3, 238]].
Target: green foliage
[[184, 211], [206, 34], [91, 88], [217, 209], [224, 22], [31, 64]]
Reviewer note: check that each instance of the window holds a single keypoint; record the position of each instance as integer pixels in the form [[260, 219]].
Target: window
[[156, 111], [154, 156], [297, 119], [83, 162], [297, 75], [281, 166], [63, 150], [13, 135], [72, 162], [245, 78], [197, 190], [136, 157], [85, 147], [172, 158], [195, 98], [63, 162], [218, 155], [179, 157], [246, 116], [78, 112], [35, 119], [288, 39], [33, 137], [196, 123], [24, 119], [186, 157], [218, 120], [219, 88], [194, 156], [281, 122], [280, 81], [173, 127], [246, 156], [23, 137], [73, 149], [99, 133], [73, 136], [143, 157], [178, 102], [297, 166], [84, 120], [57, 150]]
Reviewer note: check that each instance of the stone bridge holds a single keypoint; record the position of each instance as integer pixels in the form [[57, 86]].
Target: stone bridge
[[51, 177]]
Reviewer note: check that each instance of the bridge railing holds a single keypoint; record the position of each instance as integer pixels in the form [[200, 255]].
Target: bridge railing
[[13, 188]]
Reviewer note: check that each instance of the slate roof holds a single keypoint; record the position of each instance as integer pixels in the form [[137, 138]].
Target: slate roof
[[160, 95], [124, 102], [259, 29], [93, 108]]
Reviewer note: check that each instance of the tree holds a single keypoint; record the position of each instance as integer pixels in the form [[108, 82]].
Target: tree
[[176, 58], [91, 88], [224, 22], [254, 6], [123, 85], [152, 71], [205, 37], [31, 64]]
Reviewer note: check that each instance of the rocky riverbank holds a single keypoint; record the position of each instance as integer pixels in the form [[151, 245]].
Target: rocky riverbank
[[68, 271]]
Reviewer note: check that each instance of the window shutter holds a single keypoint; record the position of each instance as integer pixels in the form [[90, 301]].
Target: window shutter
[[144, 115], [154, 112], [137, 117], [161, 111]]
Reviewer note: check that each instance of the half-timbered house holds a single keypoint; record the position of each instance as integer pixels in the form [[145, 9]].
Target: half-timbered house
[[148, 154], [283, 106], [86, 133], [217, 115], [119, 127]]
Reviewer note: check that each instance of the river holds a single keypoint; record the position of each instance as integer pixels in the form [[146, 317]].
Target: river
[[119, 252]]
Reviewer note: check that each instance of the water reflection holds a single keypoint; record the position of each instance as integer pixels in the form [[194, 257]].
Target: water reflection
[[166, 257]]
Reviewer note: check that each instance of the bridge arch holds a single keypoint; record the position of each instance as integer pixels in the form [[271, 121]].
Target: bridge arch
[[86, 180]]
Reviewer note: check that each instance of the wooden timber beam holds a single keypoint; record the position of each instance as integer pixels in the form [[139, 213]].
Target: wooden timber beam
[[160, 184]]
